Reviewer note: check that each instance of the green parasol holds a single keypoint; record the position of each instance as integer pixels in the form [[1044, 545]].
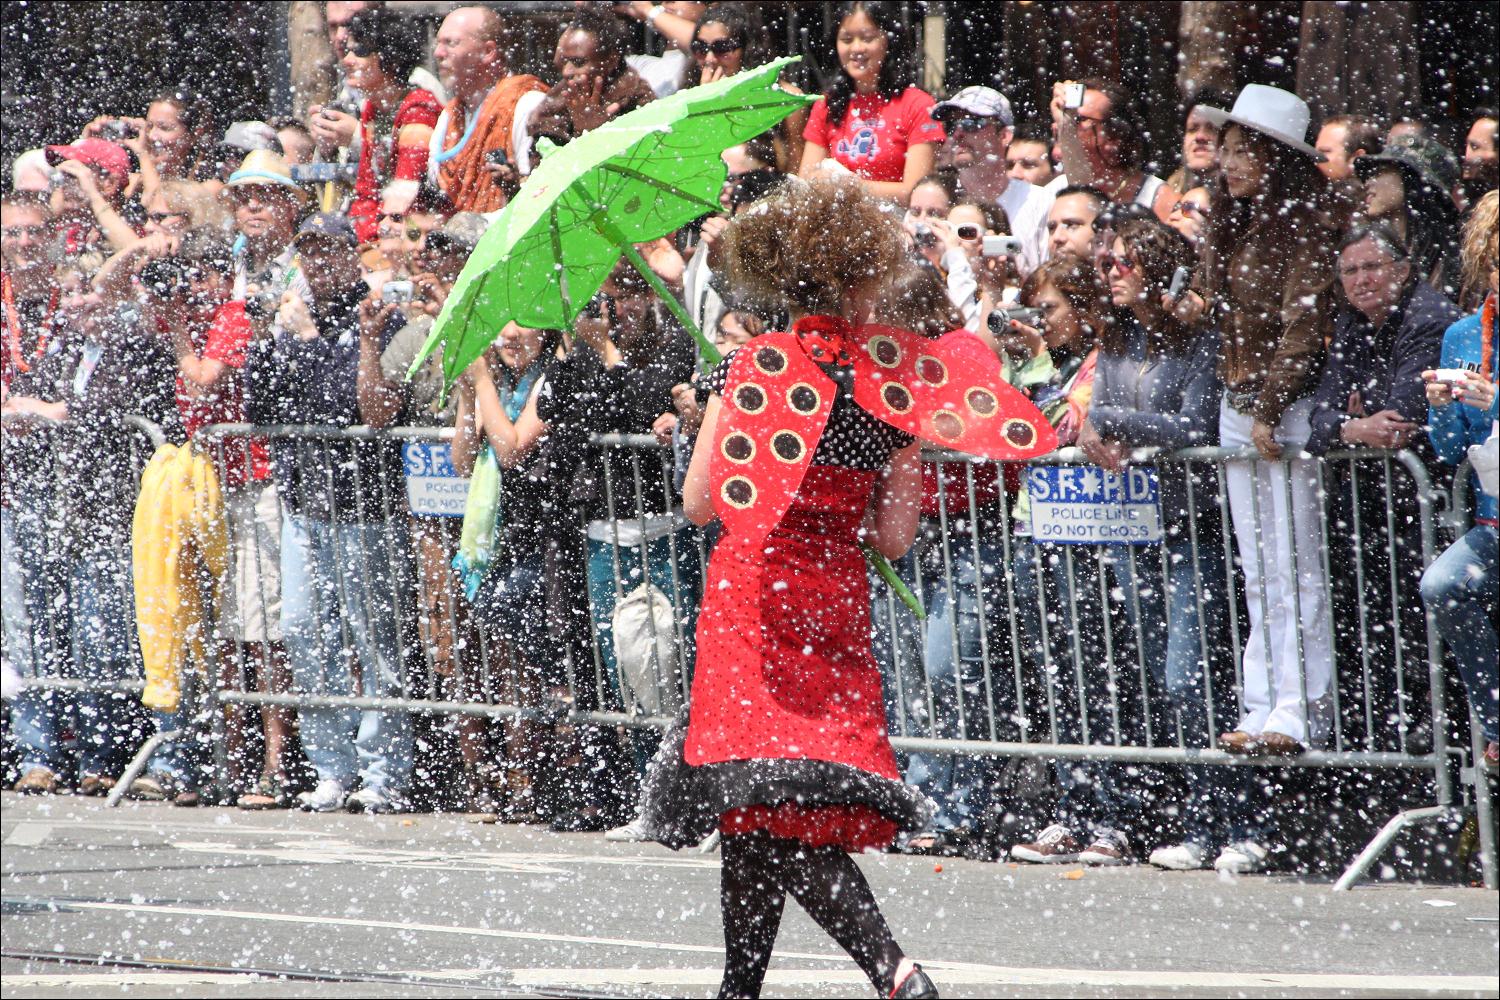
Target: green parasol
[[632, 180]]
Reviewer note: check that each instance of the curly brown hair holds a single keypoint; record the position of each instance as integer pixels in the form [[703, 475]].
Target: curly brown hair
[[809, 244]]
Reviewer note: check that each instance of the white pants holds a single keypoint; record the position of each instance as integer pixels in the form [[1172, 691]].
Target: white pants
[[1277, 526]]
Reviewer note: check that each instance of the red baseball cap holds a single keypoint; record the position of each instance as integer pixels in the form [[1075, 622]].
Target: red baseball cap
[[100, 153]]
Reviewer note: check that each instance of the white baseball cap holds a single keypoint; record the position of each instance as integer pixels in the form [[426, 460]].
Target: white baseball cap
[[984, 102]]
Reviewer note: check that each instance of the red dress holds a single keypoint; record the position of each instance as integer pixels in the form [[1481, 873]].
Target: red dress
[[784, 668], [786, 730]]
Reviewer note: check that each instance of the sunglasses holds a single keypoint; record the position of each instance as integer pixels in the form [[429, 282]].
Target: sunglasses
[[719, 47], [1190, 208], [968, 231], [412, 231], [971, 123], [1110, 262], [160, 217]]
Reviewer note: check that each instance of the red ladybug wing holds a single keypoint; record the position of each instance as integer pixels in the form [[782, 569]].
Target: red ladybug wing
[[948, 391], [776, 402]]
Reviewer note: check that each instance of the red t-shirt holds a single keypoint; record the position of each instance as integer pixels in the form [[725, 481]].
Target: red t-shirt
[[875, 134], [225, 340]]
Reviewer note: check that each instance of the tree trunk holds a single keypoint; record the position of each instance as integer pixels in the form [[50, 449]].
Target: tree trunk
[[311, 55], [1207, 36], [1366, 59]]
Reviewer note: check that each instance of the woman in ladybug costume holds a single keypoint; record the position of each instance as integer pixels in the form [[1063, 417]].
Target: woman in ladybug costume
[[809, 448]]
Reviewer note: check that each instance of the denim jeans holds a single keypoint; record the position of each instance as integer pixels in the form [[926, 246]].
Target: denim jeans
[[1460, 589], [896, 644], [964, 627], [338, 576], [1176, 614], [35, 625], [1060, 615], [102, 648]]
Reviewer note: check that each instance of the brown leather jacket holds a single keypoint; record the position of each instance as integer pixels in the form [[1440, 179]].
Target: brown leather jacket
[[1271, 296]]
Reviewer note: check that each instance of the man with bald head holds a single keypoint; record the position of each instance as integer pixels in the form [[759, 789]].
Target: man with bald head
[[480, 146]]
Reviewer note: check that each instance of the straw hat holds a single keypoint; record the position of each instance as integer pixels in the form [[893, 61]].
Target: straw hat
[[1271, 111], [265, 168]]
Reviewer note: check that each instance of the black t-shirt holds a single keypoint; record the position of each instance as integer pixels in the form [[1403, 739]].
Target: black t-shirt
[[853, 437]]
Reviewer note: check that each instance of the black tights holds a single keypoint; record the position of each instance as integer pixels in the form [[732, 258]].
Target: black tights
[[757, 874]]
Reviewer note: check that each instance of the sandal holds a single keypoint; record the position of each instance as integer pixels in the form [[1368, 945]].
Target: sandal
[[271, 791], [939, 843]]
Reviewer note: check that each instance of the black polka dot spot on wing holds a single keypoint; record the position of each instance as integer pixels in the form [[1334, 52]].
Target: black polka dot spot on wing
[[885, 351], [896, 396], [738, 492], [803, 398], [788, 446], [738, 447], [770, 360], [948, 425], [750, 398], [931, 370], [1019, 433], [982, 402]]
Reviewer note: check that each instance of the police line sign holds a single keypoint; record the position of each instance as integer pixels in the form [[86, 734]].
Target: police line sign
[[433, 485], [1087, 505]]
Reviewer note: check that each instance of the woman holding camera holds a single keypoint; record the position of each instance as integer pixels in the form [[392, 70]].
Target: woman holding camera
[[390, 131], [100, 371], [1460, 587], [1156, 388]]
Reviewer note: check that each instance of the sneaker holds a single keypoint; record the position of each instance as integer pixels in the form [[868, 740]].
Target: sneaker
[[1109, 849], [37, 781], [1244, 857], [1184, 857], [328, 796], [1055, 846], [372, 800], [150, 788], [633, 832]]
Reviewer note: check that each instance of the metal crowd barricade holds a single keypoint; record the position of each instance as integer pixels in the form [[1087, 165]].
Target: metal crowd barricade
[[38, 636], [1044, 656], [481, 676], [1460, 518]]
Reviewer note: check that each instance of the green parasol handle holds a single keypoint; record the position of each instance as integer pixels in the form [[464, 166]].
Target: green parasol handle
[[889, 576], [706, 346], [608, 231]]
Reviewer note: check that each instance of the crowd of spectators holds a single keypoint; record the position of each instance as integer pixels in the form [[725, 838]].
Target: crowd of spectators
[[1286, 289]]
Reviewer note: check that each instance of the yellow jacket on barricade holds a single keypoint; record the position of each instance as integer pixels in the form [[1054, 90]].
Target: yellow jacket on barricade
[[180, 547]]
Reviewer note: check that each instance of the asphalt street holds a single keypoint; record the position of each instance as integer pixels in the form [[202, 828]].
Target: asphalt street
[[147, 900]]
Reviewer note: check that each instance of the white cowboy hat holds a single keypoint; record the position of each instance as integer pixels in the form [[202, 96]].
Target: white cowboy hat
[[1271, 111]]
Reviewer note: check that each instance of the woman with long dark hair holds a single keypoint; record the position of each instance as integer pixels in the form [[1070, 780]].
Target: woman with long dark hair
[[1265, 279], [1155, 386], [873, 123]]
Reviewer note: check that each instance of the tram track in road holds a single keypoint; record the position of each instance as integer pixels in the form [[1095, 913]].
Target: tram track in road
[[466, 985]]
